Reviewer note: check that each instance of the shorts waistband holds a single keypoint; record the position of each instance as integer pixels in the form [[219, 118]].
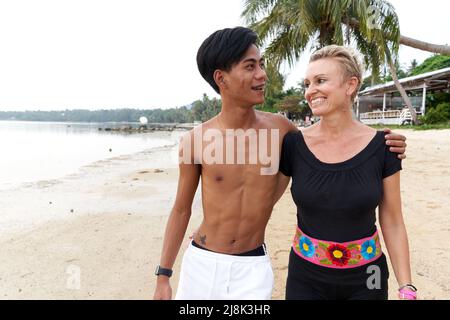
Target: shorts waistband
[[337, 255], [260, 251], [226, 257]]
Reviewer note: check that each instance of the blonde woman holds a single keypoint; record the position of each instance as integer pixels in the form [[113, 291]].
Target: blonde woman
[[341, 172]]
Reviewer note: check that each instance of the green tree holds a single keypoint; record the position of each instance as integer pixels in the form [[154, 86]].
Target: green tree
[[398, 70], [412, 66], [206, 108], [293, 101], [440, 114], [432, 63], [118, 115], [275, 80], [290, 104]]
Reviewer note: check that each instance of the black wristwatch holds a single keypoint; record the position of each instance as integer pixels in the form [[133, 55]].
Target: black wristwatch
[[163, 271]]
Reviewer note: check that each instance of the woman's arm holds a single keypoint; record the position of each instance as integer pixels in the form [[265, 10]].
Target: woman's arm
[[394, 230]]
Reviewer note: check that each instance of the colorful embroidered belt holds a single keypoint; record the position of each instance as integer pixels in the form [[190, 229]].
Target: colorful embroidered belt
[[337, 255]]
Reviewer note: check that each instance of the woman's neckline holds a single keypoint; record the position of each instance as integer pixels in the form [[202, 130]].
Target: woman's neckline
[[353, 160]]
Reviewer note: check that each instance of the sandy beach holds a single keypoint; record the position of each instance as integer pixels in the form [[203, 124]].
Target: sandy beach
[[98, 234]]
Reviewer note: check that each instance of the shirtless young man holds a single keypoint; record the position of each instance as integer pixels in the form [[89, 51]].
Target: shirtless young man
[[227, 258]]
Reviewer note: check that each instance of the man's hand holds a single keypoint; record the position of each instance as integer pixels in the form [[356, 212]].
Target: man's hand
[[396, 142], [163, 290]]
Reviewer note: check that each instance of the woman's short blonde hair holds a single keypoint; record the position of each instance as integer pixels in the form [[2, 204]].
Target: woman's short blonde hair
[[348, 59]]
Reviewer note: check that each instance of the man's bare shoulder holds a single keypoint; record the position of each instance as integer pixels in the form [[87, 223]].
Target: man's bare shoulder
[[276, 120]]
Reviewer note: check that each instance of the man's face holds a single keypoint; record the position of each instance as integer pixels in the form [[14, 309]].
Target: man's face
[[245, 82]]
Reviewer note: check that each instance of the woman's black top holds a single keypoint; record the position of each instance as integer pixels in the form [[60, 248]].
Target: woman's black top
[[336, 202]]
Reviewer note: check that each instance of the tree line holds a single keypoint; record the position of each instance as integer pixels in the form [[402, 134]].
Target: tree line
[[200, 110]]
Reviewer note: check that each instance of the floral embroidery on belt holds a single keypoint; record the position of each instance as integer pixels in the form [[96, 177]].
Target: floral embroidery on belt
[[337, 255]]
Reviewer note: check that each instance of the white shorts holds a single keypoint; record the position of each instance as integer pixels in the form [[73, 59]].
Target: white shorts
[[207, 275]]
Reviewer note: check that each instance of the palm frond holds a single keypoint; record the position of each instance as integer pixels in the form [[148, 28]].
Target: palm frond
[[288, 26], [254, 8]]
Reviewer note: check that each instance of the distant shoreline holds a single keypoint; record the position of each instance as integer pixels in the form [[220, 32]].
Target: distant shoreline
[[101, 122], [177, 115], [121, 126]]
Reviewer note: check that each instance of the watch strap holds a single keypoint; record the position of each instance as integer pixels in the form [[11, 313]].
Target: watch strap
[[163, 271]]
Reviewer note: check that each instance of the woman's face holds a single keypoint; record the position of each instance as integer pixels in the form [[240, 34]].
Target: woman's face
[[327, 89]]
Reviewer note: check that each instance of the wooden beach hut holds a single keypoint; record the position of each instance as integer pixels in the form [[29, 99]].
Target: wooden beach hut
[[378, 105]]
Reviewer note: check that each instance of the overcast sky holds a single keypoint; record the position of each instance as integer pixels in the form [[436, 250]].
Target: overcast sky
[[93, 54]]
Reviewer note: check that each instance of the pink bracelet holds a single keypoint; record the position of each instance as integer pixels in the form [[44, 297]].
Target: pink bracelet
[[407, 294]]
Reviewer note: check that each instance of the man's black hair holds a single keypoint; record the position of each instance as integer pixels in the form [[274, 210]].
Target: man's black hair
[[221, 50]]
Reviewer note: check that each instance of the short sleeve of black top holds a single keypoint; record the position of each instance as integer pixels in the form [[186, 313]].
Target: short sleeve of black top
[[337, 202]]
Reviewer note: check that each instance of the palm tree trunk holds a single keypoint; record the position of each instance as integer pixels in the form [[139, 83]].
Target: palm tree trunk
[[425, 46], [414, 43], [400, 87]]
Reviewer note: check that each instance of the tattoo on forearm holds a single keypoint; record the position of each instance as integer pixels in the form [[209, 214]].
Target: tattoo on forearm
[[203, 239]]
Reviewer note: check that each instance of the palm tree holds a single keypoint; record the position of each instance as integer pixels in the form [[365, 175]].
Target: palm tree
[[412, 66], [425, 46], [421, 45], [275, 80], [288, 27]]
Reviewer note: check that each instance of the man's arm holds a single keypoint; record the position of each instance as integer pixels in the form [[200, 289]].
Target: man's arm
[[282, 184], [178, 220], [396, 142], [285, 126]]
